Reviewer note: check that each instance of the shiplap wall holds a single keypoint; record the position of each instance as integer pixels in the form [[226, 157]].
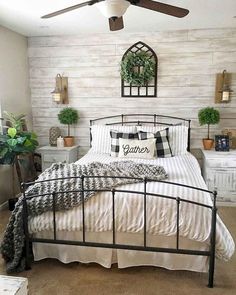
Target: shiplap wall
[[188, 63]]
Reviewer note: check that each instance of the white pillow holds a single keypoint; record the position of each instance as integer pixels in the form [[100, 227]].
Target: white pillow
[[134, 148], [178, 137], [101, 140]]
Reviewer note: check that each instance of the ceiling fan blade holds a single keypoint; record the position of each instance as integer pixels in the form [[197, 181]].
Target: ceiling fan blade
[[70, 8], [116, 23], [161, 7]]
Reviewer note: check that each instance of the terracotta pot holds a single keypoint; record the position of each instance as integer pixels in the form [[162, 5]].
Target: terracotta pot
[[207, 143], [69, 141]]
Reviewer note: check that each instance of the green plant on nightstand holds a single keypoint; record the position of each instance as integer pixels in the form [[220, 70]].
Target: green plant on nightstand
[[68, 116], [208, 116]]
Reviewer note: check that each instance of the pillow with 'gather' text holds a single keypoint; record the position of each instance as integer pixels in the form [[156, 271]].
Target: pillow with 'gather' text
[[115, 136], [135, 148]]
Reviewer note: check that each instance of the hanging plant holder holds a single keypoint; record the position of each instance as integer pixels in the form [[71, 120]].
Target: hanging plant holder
[[139, 71]]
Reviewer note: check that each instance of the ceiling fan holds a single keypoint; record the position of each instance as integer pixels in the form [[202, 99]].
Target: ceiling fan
[[115, 9]]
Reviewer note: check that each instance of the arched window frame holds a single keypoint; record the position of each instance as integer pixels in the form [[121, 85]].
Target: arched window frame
[[149, 90]]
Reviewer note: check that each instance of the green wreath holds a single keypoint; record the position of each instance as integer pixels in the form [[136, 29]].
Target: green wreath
[[139, 59]]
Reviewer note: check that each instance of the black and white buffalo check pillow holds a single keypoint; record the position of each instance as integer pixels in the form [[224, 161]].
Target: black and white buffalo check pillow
[[163, 149], [115, 136]]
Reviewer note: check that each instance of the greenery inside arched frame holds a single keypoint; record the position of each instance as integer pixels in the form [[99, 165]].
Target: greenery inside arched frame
[[139, 71]]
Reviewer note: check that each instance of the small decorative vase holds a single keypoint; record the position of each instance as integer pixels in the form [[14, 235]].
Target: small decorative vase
[[69, 141], [207, 143], [54, 133]]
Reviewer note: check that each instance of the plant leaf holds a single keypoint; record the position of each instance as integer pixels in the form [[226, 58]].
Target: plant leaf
[[12, 142], [3, 152], [11, 132], [21, 140]]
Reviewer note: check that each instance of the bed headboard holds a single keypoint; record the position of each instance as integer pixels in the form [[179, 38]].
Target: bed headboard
[[142, 119]]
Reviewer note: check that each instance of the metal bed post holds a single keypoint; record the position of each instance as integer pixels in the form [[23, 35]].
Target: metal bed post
[[113, 217], [90, 133], [54, 215], [83, 215], [155, 120], [189, 135], [213, 242], [145, 212], [177, 223], [26, 230]]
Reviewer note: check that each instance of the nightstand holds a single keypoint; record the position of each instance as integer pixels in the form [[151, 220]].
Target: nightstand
[[219, 172], [51, 154]]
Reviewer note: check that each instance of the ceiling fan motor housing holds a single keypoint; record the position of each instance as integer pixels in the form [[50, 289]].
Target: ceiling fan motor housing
[[113, 8]]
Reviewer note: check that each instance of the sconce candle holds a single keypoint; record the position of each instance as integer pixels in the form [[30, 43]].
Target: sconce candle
[[225, 95]]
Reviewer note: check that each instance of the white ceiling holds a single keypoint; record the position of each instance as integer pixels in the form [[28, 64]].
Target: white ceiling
[[23, 16]]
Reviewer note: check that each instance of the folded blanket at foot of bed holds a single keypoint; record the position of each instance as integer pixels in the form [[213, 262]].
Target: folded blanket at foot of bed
[[13, 241]]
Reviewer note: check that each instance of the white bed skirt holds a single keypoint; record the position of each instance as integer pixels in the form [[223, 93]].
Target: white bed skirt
[[124, 258]]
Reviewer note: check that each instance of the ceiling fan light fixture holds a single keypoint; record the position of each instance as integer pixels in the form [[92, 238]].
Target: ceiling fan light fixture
[[113, 8]]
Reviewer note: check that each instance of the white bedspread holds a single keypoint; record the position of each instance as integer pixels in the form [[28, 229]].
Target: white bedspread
[[195, 221]]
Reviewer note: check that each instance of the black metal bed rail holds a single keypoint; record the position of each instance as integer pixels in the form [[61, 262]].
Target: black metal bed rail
[[122, 116], [140, 179], [176, 250]]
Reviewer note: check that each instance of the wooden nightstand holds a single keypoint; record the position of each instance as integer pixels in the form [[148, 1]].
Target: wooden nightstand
[[52, 155], [219, 172]]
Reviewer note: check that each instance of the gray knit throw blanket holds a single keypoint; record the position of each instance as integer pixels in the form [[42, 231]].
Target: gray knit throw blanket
[[13, 241]]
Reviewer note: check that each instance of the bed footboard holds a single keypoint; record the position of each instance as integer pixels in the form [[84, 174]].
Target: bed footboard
[[177, 201]]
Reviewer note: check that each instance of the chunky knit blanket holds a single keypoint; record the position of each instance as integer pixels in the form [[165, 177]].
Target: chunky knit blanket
[[13, 241]]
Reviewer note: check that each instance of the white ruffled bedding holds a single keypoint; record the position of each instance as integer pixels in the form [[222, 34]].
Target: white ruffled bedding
[[195, 221]]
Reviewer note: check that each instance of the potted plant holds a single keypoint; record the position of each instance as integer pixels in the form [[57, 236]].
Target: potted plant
[[12, 144], [68, 116], [16, 141], [208, 116]]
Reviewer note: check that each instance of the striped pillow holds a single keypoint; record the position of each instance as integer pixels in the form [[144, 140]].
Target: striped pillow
[[115, 136], [178, 137], [163, 149], [101, 140]]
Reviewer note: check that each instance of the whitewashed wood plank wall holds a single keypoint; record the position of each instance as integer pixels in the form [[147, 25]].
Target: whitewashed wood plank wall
[[188, 63]]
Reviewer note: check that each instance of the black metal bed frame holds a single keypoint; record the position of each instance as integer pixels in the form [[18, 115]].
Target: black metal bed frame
[[29, 239]]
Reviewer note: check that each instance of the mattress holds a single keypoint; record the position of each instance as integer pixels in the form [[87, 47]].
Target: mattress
[[195, 221]]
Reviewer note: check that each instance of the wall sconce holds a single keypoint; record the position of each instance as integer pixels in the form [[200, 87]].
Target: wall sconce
[[223, 91], [60, 93]]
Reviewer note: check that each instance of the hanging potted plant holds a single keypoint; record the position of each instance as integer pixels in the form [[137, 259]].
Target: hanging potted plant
[[208, 116], [68, 116]]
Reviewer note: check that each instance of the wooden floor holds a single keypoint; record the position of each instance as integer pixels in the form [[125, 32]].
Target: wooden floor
[[53, 277]]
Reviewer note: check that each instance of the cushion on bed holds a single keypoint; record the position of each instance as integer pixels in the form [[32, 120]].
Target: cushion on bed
[[135, 148], [115, 136], [178, 137], [162, 149], [101, 140]]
